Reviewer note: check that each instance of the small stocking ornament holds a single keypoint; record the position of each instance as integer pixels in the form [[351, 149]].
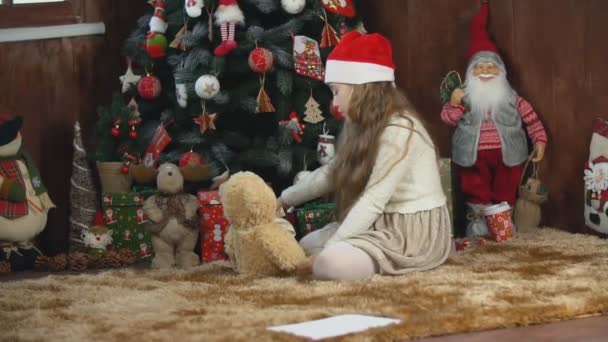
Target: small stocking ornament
[[182, 95], [227, 16], [307, 58], [326, 148], [194, 8]]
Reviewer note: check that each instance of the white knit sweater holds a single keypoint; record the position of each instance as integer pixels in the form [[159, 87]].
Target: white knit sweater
[[411, 186]]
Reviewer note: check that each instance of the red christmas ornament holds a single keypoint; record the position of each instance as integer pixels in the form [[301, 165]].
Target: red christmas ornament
[[149, 87], [124, 169], [261, 60], [191, 158], [116, 129], [133, 133], [340, 7]]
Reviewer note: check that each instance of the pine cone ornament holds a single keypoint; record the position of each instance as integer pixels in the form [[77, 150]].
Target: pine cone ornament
[[113, 259], [58, 263], [79, 262], [127, 257], [5, 268], [42, 263]]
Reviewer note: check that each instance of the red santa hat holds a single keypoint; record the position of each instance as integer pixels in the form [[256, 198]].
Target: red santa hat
[[98, 221], [482, 48], [361, 58]]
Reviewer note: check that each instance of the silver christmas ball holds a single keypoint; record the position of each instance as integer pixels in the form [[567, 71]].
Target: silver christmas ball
[[293, 6], [207, 86]]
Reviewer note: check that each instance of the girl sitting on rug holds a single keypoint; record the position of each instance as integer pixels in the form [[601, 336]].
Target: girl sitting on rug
[[392, 211]]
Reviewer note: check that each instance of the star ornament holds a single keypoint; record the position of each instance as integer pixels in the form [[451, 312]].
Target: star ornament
[[129, 79], [206, 121]]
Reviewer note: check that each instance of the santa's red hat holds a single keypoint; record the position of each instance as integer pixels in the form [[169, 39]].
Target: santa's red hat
[[480, 39], [361, 58], [98, 221]]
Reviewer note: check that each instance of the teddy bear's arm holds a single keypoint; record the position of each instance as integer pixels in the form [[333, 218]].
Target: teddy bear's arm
[[280, 247], [191, 207], [229, 244], [153, 212]]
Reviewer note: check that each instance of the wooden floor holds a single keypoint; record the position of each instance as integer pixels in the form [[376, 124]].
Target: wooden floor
[[592, 329]]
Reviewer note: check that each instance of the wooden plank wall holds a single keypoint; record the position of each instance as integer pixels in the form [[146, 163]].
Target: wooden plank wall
[[52, 83], [556, 58], [554, 50]]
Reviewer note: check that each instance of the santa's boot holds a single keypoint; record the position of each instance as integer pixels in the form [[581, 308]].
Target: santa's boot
[[228, 43], [476, 223]]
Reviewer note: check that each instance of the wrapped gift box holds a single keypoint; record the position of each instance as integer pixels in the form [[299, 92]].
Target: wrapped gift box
[[214, 226], [313, 216], [123, 213]]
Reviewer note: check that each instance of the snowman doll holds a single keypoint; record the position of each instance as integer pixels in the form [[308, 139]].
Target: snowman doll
[[24, 201]]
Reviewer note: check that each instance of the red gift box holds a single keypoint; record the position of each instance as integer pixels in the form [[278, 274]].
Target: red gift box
[[213, 226]]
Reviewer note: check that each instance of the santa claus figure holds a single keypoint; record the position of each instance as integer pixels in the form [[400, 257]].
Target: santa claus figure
[[227, 15], [489, 143]]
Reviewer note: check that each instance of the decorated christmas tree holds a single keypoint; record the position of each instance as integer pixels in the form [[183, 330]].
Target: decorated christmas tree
[[234, 85]]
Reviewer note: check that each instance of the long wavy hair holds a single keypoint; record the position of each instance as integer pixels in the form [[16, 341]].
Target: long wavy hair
[[371, 108]]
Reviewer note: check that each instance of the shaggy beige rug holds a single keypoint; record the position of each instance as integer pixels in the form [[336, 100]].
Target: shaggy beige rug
[[538, 277]]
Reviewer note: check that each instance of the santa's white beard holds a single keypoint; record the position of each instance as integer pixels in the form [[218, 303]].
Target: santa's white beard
[[487, 96]]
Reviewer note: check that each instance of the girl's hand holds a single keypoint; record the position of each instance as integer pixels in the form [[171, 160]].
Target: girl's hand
[[281, 207]]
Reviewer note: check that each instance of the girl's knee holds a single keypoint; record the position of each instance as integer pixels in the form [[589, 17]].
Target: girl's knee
[[326, 267]]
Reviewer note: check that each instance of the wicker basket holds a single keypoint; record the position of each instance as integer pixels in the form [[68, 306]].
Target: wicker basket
[[112, 180]]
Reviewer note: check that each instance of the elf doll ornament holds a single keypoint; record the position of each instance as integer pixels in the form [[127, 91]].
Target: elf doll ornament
[[489, 143], [227, 15], [24, 202]]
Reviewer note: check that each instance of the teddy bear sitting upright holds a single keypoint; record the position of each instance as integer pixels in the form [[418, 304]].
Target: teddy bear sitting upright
[[173, 220], [257, 242]]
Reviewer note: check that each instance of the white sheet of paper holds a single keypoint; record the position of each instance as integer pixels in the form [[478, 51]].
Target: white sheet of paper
[[334, 326]]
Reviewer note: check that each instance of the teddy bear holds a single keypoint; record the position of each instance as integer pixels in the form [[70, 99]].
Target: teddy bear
[[172, 220], [257, 242], [24, 201]]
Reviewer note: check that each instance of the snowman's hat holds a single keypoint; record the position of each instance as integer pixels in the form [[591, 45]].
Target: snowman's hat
[[9, 127]]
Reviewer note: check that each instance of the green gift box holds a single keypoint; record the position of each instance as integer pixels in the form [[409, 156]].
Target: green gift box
[[313, 216], [123, 213]]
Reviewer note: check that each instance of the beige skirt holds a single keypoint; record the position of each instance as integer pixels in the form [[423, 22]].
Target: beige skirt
[[404, 243]]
